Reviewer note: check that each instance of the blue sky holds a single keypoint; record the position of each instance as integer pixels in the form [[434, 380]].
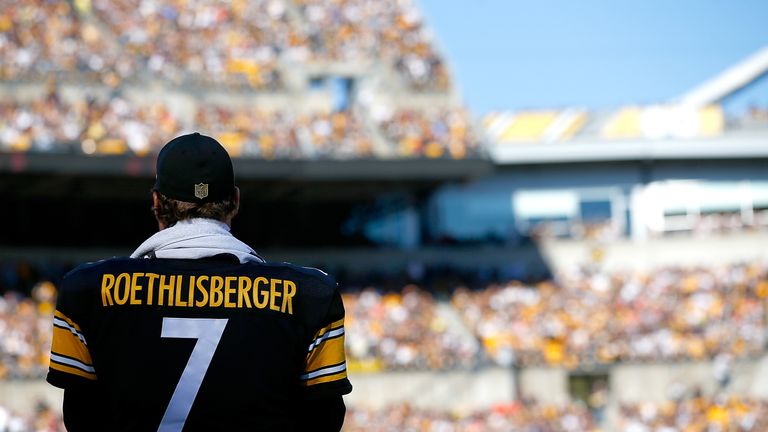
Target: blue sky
[[513, 54]]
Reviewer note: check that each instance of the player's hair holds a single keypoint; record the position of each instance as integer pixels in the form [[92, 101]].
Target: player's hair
[[169, 211]]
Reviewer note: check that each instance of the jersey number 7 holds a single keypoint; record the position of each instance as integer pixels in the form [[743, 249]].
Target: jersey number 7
[[208, 333]]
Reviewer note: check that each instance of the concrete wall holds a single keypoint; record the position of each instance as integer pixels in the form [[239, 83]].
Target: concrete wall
[[653, 253], [22, 396], [483, 388], [546, 385], [461, 390]]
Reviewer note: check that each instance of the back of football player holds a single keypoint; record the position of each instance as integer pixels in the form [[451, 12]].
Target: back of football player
[[195, 331]]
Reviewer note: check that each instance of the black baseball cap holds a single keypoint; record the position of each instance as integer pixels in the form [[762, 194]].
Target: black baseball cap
[[195, 168]]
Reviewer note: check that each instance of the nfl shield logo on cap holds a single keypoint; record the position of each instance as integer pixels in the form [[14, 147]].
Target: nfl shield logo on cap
[[201, 190]]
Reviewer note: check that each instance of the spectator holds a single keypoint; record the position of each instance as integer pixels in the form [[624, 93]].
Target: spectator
[[696, 414], [402, 331], [505, 417], [592, 317]]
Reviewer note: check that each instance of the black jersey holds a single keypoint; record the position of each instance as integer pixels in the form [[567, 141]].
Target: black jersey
[[199, 344]]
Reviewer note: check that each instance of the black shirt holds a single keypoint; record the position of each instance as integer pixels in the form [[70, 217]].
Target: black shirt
[[205, 344]]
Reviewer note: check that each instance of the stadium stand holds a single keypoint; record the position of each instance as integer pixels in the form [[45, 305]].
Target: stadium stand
[[269, 135], [431, 134], [97, 77], [118, 126], [625, 123], [86, 125], [257, 34], [43, 419], [392, 31], [39, 38], [26, 328], [592, 317], [509, 417], [402, 330], [583, 318], [269, 48], [696, 413]]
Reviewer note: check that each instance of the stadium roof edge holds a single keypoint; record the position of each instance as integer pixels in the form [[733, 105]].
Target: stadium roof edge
[[730, 146], [729, 81]]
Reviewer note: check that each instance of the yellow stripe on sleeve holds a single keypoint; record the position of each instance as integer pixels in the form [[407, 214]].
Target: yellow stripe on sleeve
[[326, 360], [330, 352], [329, 327], [327, 378], [72, 371], [69, 350], [60, 315], [69, 344]]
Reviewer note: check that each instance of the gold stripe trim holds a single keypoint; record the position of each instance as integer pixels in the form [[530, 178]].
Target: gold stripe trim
[[328, 353], [329, 327], [60, 315], [328, 378], [69, 345], [72, 371]]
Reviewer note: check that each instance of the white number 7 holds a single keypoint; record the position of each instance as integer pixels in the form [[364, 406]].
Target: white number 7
[[208, 333]]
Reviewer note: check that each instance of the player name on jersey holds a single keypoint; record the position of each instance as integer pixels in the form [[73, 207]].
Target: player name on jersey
[[152, 289]]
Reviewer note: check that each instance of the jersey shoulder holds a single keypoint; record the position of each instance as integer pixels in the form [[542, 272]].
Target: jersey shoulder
[[311, 275], [311, 272], [317, 296], [88, 270]]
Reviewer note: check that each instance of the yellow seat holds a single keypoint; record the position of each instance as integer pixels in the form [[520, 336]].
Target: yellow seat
[[624, 124], [111, 146], [527, 126], [711, 121], [233, 142]]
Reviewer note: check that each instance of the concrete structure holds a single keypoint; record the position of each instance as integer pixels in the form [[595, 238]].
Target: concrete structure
[[467, 390]]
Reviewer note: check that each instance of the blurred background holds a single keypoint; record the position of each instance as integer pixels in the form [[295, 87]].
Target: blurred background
[[545, 216]]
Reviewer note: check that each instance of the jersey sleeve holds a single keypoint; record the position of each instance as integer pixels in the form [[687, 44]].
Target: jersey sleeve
[[325, 368], [70, 362]]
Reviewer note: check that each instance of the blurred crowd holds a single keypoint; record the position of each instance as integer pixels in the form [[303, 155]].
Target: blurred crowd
[[694, 414], [268, 135], [501, 418], [43, 419], [725, 222], [39, 38], [446, 133], [87, 125], [402, 330], [235, 44], [117, 126], [25, 326], [27, 302], [389, 30], [719, 413], [589, 317], [207, 42], [579, 319], [205, 45], [599, 231]]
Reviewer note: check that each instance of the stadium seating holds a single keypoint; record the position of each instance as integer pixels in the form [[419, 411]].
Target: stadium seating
[[400, 331], [53, 44], [592, 317], [446, 133], [513, 416], [722, 412], [44, 418], [623, 123], [116, 126], [87, 125], [564, 323]]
